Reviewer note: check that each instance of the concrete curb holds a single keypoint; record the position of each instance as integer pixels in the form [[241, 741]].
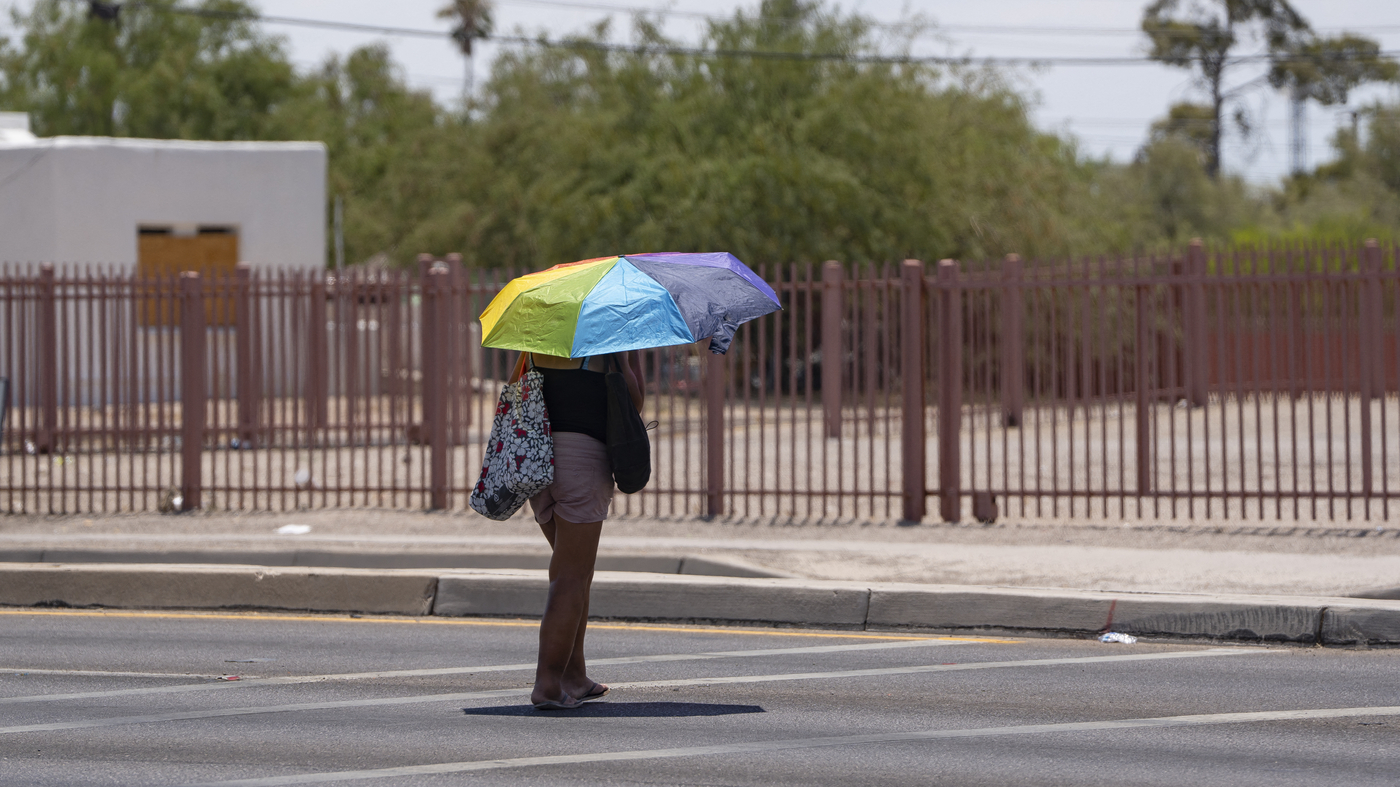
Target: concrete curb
[[406, 559], [218, 587], [653, 597], [1257, 618], [640, 596]]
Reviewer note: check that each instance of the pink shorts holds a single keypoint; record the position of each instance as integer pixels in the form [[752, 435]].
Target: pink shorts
[[583, 485]]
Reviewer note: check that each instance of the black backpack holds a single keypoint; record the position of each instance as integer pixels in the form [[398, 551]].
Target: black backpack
[[629, 449]]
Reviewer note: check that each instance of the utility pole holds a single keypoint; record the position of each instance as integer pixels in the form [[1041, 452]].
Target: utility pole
[[339, 228], [1300, 132]]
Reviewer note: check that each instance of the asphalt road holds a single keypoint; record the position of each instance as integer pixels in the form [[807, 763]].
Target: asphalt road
[[89, 697]]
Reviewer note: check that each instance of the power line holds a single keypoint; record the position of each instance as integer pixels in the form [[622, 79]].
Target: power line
[[326, 24], [934, 28], [756, 54], [411, 76], [1166, 120]]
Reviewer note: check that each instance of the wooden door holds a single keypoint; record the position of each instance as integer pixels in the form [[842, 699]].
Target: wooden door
[[162, 255]]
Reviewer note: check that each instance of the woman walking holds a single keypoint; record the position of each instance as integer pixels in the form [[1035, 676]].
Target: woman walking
[[574, 318], [571, 511]]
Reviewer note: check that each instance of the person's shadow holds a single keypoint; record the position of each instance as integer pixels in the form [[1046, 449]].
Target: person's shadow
[[595, 710]]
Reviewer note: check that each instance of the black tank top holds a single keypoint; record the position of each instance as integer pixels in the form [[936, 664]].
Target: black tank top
[[577, 400]]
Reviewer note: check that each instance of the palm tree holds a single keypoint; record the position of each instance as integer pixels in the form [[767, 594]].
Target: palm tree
[[472, 21]]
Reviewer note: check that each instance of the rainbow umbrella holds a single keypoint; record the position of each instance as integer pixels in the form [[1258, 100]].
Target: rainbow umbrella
[[630, 302]]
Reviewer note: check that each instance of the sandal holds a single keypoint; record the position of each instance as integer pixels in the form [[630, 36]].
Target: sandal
[[564, 703], [594, 694]]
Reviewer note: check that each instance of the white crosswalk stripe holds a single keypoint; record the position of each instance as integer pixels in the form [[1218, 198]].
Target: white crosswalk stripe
[[810, 743], [292, 680], [710, 681]]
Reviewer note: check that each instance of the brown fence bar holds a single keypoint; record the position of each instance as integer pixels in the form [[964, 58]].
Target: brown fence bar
[[912, 440], [1012, 347], [435, 377], [4, 408], [1370, 304], [194, 370], [1372, 309], [1194, 324], [1143, 364], [249, 392], [714, 434], [47, 354], [833, 349], [950, 382], [317, 355], [464, 340]]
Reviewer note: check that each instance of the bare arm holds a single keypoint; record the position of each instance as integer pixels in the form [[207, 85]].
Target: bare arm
[[636, 382]]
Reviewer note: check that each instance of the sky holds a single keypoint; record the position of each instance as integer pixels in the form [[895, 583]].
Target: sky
[[1107, 108]]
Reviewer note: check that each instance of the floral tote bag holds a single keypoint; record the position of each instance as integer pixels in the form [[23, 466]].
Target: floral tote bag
[[519, 460]]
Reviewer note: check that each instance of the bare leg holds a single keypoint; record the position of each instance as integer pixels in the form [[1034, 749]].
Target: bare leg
[[575, 679], [566, 610]]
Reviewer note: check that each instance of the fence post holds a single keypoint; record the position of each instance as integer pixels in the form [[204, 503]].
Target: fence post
[[1013, 342], [833, 353], [4, 408], [714, 435], [427, 341], [1372, 370], [350, 350], [462, 341], [1142, 368], [245, 348], [1194, 331], [1299, 360], [48, 362], [435, 351], [193, 393], [913, 443], [318, 376], [950, 379]]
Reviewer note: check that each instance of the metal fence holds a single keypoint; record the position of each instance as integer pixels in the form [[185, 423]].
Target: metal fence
[[1254, 383]]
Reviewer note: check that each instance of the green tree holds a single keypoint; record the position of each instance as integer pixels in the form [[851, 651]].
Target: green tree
[[1354, 196], [1326, 70], [396, 157], [774, 158], [1201, 36], [1381, 152], [145, 72], [1374, 155], [1193, 123], [472, 20], [1181, 200]]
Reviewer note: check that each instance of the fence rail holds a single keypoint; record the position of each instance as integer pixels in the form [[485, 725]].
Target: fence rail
[[1242, 383]]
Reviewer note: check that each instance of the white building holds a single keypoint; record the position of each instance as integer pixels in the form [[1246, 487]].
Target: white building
[[152, 206], [160, 205]]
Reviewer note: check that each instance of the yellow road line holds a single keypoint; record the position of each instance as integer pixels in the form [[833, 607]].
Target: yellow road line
[[273, 616]]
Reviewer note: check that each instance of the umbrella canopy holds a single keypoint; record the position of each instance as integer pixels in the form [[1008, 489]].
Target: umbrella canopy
[[631, 302]]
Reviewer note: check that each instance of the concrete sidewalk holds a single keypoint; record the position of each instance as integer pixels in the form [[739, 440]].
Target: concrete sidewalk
[[1322, 558], [1239, 580]]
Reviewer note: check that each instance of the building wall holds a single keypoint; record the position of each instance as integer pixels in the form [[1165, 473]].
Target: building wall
[[28, 224], [83, 199]]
